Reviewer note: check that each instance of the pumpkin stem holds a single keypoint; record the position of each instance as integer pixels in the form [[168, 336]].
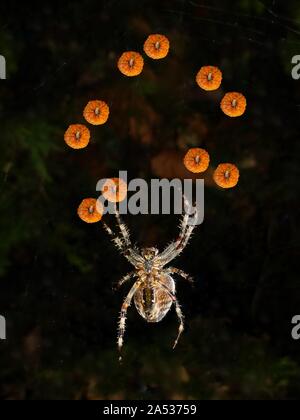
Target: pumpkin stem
[[209, 77], [114, 189], [157, 45], [77, 135], [234, 103], [197, 159]]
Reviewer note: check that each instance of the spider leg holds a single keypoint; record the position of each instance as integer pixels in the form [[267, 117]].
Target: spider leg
[[181, 273], [125, 234], [183, 225], [116, 240], [178, 311], [176, 247], [123, 228], [124, 308], [181, 324], [125, 279], [125, 250]]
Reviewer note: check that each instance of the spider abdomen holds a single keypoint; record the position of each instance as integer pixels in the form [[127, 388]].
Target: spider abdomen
[[153, 299]]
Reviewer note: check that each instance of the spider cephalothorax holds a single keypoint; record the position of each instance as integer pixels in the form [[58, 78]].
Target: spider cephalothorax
[[154, 289], [149, 253]]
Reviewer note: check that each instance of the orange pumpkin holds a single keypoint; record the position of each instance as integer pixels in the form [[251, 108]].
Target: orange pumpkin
[[114, 190], [209, 78], [196, 160], [226, 175], [77, 136], [131, 63], [157, 46], [96, 112], [234, 104], [90, 211]]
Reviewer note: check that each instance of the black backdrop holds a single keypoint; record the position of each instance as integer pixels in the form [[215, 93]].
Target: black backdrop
[[57, 273]]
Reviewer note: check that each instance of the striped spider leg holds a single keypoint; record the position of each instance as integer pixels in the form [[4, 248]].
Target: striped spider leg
[[186, 230], [153, 290], [123, 242]]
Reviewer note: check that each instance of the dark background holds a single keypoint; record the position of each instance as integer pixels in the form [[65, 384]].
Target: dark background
[[57, 272]]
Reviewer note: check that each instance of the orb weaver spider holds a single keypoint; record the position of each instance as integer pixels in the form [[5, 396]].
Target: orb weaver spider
[[154, 289]]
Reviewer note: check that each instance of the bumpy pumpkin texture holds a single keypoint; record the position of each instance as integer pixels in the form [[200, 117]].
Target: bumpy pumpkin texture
[[96, 112], [226, 175], [209, 78], [234, 104], [131, 63], [90, 211], [157, 46], [77, 136], [114, 190], [196, 160]]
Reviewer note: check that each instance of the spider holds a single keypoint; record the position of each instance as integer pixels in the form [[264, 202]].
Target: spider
[[154, 289]]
